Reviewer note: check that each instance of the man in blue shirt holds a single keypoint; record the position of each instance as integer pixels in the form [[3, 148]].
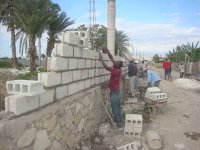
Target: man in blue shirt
[[132, 73], [152, 78]]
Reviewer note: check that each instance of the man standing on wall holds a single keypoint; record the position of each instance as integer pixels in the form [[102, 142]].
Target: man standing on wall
[[132, 73], [166, 67], [114, 86]]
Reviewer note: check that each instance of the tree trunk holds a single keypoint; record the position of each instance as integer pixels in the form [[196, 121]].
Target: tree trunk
[[39, 49], [111, 26], [50, 45], [32, 52], [14, 58]]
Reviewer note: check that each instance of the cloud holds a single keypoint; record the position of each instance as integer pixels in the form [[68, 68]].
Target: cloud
[[157, 37]]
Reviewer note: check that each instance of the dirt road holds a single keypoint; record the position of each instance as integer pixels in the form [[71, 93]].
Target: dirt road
[[179, 124]]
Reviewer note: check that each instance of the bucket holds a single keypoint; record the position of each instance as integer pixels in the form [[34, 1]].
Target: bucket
[[153, 139]]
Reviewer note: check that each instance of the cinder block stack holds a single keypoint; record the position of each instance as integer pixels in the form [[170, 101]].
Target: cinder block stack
[[155, 94], [133, 125]]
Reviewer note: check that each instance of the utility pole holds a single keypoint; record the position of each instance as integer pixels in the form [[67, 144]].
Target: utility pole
[[92, 19], [111, 26]]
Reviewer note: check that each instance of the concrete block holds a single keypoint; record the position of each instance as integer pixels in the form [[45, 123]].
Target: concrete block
[[64, 50], [104, 128], [87, 83], [97, 80], [81, 63], [73, 88], [99, 64], [93, 63], [152, 90], [61, 92], [67, 77], [88, 63], [81, 85], [134, 120], [58, 64], [19, 104], [160, 97], [91, 73], [132, 132], [77, 51], [24, 87], [86, 53], [73, 63], [76, 75], [84, 74], [131, 101], [46, 97], [130, 146], [92, 82], [70, 37], [49, 79]]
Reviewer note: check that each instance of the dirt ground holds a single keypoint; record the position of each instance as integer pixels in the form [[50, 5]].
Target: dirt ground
[[178, 124]]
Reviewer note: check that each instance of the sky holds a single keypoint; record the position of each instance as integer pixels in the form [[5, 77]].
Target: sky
[[153, 26]]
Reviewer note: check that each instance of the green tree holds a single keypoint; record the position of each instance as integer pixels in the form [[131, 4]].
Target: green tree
[[122, 41], [7, 18], [32, 17], [57, 25], [156, 58]]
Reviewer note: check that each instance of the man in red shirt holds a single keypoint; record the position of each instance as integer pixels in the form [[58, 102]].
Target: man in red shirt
[[114, 86], [167, 67]]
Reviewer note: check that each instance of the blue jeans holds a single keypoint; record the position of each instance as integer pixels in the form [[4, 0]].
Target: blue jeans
[[116, 106]]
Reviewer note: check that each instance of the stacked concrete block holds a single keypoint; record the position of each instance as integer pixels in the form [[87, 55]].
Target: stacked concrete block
[[58, 64], [154, 93], [19, 104], [73, 63], [159, 97], [50, 79], [77, 52], [46, 97], [67, 77], [81, 63], [130, 146], [152, 90], [24, 87], [61, 92], [70, 37], [76, 75], [64, 50], [133, 125], [104, 128]]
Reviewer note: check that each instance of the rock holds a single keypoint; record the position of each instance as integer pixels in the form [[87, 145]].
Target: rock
[[42, 141], [27, 138]]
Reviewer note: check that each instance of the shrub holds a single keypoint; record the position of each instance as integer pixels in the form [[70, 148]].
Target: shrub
[[27, 76]]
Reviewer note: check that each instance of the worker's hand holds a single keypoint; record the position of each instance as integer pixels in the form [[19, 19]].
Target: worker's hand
[[104, 49]]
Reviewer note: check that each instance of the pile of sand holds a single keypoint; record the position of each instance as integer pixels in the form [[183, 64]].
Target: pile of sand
[[187, 83]]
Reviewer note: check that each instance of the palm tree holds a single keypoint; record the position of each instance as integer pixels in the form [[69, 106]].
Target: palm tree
[[32, 17], [111, 26], [55, 27], [121, 44], [7, 18]]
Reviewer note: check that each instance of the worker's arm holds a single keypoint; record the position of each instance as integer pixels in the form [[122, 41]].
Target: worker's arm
[[104, 65], [105, 49]]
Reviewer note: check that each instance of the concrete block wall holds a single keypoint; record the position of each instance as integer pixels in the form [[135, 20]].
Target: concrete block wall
[[74, 68]]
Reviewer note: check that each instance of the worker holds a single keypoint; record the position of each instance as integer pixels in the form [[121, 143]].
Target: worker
[[152, 78], [114, 86]]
